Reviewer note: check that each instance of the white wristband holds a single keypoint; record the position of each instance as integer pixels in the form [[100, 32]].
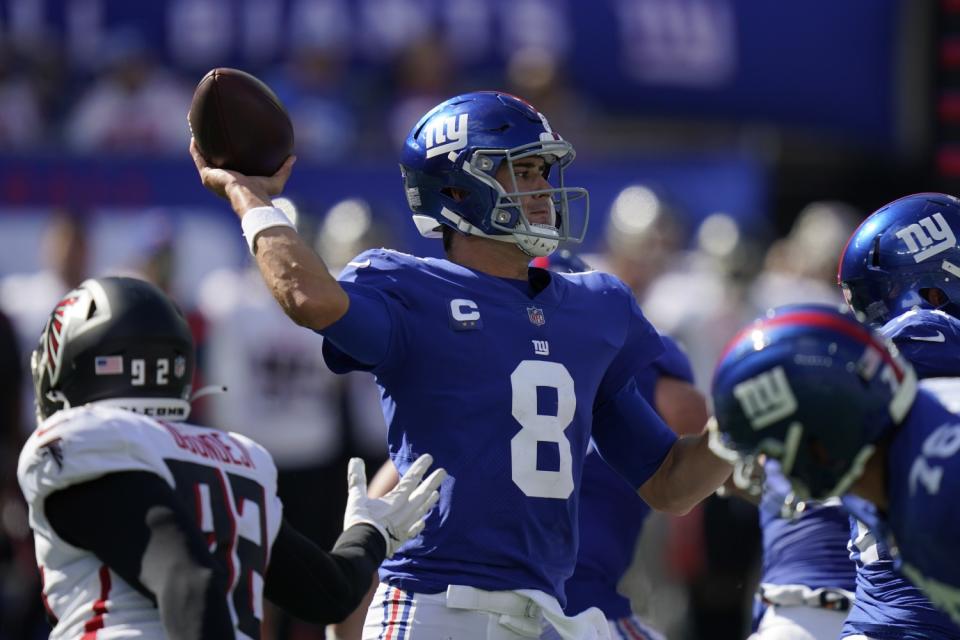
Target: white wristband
[[261, 218]]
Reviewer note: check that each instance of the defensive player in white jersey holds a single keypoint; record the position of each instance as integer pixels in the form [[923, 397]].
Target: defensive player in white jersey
[[149, 527], [504, 373]]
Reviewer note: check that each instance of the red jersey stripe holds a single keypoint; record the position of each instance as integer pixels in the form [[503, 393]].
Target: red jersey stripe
[[96, 623]]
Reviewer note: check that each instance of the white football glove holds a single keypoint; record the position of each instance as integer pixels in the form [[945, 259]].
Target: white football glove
[[399, 515]]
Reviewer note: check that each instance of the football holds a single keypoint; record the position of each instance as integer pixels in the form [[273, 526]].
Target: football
[[239, 123]]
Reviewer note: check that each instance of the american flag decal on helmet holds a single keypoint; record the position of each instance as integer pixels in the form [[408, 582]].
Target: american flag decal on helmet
[[52, 337]]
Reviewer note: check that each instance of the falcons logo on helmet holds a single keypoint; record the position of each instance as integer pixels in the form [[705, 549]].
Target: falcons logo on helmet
[[54, 451], [52, 337]]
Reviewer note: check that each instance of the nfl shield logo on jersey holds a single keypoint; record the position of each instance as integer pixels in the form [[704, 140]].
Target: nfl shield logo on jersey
[[536, 316]]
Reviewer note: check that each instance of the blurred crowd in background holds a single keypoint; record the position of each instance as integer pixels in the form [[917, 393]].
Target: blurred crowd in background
[[730, 149]]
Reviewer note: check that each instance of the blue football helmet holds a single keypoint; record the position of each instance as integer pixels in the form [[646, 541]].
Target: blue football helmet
[[451, 156], [813, 388], [903, 248]]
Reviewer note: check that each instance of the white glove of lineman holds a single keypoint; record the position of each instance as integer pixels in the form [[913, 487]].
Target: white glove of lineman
[[399, 515]]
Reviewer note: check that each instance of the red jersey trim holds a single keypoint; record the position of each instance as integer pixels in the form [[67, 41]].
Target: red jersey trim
[[96, 623]]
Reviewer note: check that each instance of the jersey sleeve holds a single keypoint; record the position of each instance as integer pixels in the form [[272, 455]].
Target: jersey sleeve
[[929, 340], [371, 336], [627, 432], [79, 448], [674, 363], [630, 436], [640, 346]]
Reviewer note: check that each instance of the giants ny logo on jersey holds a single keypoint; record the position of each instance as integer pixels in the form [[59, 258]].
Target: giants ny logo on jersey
[[443, 135], [766, 398], [928, 237]]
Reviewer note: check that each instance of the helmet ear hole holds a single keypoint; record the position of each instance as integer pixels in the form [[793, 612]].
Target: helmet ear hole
[[875, 258], [934, 296], [456, 194]]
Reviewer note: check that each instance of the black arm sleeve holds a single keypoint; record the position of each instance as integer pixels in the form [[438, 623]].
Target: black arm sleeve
[[134, 523], [322, 587]]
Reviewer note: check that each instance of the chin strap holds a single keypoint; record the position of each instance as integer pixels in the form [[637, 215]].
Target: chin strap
[[54, 395], [534, 246]]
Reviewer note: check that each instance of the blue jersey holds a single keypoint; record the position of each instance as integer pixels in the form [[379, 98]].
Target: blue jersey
[[929, 339], [809, 550], [612, 514], [887, 605], [922, 523], [802, 554], [505, 391]]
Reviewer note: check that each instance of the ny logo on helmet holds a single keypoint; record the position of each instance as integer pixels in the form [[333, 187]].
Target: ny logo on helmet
[[921, 236], [766, 398], [443, 135]]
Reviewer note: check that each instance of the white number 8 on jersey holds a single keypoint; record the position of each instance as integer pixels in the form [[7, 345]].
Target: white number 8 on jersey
[[539, 483]]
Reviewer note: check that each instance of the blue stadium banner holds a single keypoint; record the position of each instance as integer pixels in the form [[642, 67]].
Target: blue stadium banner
[[818, 63]]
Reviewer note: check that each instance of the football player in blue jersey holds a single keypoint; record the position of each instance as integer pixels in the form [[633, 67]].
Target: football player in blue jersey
[[611, 515], [901, 270], [838, 407], [503, 372], [808, 579]]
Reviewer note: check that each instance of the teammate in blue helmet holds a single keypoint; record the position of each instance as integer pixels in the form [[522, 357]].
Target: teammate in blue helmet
[[503, 372], [904, 255], [898, 269], [838, 407], [808, 580]]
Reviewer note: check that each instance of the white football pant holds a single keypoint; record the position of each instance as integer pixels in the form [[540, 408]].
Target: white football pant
[[799, 623], [465, 613]]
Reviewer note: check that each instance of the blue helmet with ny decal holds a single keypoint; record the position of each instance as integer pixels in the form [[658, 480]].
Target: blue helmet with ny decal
[[900, 255], [451, 159], [813, 388]]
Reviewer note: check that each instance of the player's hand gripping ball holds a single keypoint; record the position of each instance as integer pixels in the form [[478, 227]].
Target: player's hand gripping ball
[[239, 124]]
